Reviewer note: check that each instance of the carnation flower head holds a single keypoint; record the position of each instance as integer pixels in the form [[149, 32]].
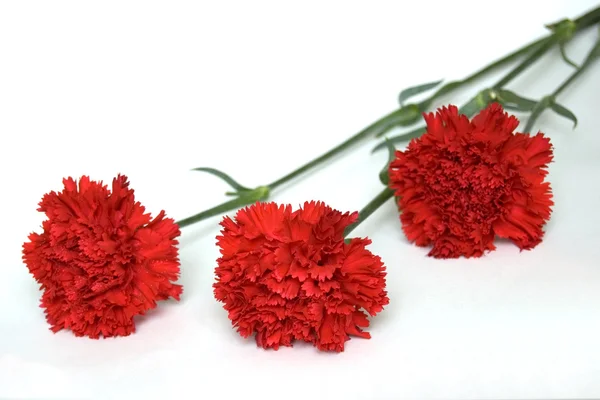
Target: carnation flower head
[[289, 275], [464, 182], [101, 260]]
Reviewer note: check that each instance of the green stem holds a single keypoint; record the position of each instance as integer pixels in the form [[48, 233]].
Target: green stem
[[587, 19], [262, 193], [402, 116], [425, 104], [568, 81], [383, 123], [370, 208], [593, 55], [543, 44], [584, 21], [533, 57], [212, 212], [550, 100]]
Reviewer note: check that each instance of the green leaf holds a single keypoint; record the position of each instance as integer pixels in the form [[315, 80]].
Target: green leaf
[[537, 111], [384, 174], [447, 88], [474, 105], [565, 112], [403, 116], [245, 198], [228, 179], [512, 101], [401, 138], [415, 90], [563, 53]]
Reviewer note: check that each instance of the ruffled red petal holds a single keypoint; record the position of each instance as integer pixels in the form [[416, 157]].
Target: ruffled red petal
[[101, 260], [464, 182], [288, 275]]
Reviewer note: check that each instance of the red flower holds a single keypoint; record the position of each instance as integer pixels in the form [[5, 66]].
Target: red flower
[[290, 276], [464, 182], [100, 260]]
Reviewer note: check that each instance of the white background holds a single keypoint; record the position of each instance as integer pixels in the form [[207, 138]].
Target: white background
[[153, 89]]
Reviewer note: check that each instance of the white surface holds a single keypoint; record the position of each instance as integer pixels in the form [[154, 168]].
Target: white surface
[[152, 89]]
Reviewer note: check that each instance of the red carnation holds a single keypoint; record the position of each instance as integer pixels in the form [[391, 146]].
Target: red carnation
[[464, 182], [288, 275], [100, 260]]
